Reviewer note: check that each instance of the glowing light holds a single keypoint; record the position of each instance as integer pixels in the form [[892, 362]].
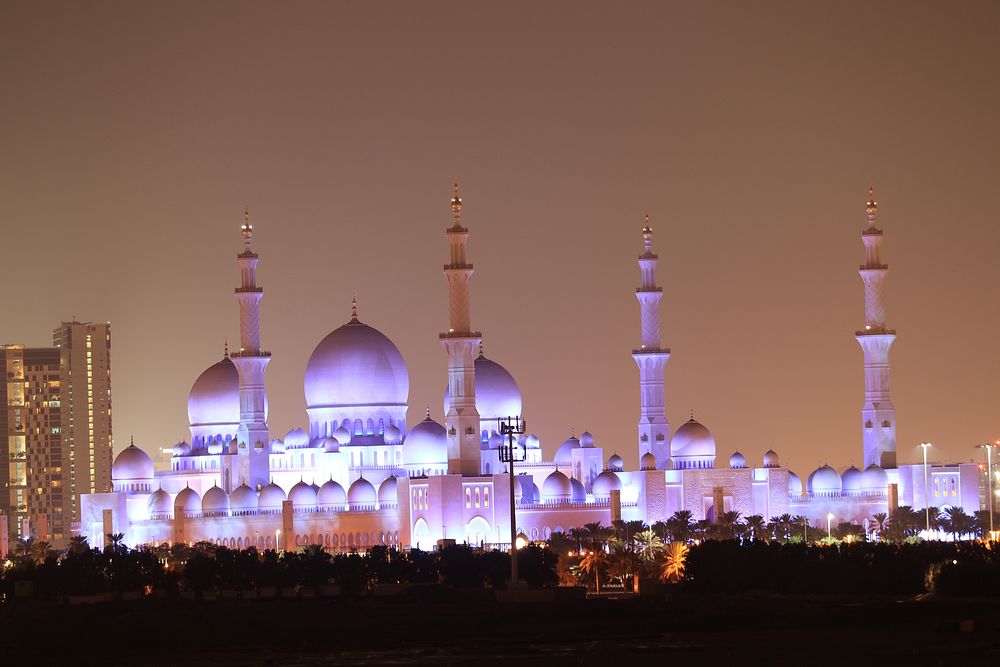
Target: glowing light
[[521, 541]]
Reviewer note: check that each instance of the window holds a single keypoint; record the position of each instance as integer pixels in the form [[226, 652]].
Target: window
[[468, 497], [477, 496], [486, 497]]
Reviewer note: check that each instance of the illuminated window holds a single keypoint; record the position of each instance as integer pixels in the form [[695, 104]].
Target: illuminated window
[[486, 497], [477, 496], [468, 497]]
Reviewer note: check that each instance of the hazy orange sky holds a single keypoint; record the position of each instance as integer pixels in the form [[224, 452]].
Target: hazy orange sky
[[133, 134]]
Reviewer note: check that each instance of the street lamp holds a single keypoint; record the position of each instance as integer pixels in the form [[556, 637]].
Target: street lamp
[[989, 479], [927, 501], [829, 530]]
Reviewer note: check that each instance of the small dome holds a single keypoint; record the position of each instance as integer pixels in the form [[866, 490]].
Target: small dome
[[216, 501], [331, 493], [331, 444], [271, 497], [216, 447], [692, 446], [563, 454], [342, 435], [392, 435], [647, 461], [495, 440], [851, 480], [824, 481], [187, 501], [182, 448], [532, 442], [361, 493], [557, 487], [794, 484], [771, 459], [160, 504], [278, 447], [132, 465], [605, 483], [302, 495], [243, 499], [737, 460], [387, 491], [426, 444], [578, 494], [615, 463], [296, 439], [525, 489], [586, 439], [874, 480]]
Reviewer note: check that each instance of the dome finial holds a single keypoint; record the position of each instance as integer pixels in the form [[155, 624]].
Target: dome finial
[[692, 414], [428, 412], [131, 441], [354, 308], [247, 228], [871, 207], [482, 352], [456, 206], [225, 349], [647, 236]]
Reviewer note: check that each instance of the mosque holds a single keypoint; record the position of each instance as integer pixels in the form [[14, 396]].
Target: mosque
[[357, 475]]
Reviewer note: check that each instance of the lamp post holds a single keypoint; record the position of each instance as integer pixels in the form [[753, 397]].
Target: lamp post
[[829, 524], [989, 480], [927, 500], [508, 453]]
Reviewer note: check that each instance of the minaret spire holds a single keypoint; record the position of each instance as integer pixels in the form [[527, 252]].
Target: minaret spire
[[461, 343], [878, 416], [651, 358], [251, 362]]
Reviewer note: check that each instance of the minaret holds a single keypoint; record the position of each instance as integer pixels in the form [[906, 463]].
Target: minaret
[[878, 417], [461, 343], [654, 429], [251, 362]]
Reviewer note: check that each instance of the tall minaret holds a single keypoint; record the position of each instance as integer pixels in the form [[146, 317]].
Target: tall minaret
[[462, 344], [878, 417], [654, 429], [251, 361]]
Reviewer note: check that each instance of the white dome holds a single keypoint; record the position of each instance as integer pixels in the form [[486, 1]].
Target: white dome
[[605, 483], [851, 480], [243, 499], [361, 493], [356, 365], [647, 461], [557, 487], [426, 444], [160, 503], [392, 435], [331, 493], [692, 446], [387, 491], [771, 459], [563, 454], [525, 489], [215, 447], [586, 439], [342, 435], [497, 395], [296, 439], [271, 497], [302, 495], [187, 500], [331, 444], [737, 460], [216, 501], [215, 396], [278, 446], [532, 442], [131, 465], [874, 479], [182, 448], [616, 463], [578, 494], [794, 484], [824, 481], [495, 440]]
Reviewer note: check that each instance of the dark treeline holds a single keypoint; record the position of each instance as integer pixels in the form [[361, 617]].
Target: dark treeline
[[949, 568]]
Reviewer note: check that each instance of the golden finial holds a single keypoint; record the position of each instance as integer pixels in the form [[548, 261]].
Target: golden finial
[[131, 441], [225, 349], [247, 228], [456, 206], [646, 229], [871, 206], [428, 412], [354, 308]]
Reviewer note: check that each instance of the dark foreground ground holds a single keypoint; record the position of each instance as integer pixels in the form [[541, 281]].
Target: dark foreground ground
[[442, 628]]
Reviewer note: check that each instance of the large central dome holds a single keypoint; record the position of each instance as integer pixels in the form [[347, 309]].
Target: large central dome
[[356, 365]]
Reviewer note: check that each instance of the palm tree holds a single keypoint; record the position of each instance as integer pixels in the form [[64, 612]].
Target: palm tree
[[781, 527], [661, 530], [592, 564], [578, 536], [78, 545], [756, 529], [672, 569], [880, 521], [116, 542], [729, 526], [679, 526], [648, 546], [802, 521], [597, 534], [956, 522]]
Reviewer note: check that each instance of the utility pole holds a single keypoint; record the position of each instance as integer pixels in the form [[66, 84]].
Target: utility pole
[[509, 453]]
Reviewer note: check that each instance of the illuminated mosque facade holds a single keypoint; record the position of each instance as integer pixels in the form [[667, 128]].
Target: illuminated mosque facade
[[358, 475]]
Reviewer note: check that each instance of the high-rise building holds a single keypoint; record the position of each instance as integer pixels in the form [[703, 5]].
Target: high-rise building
[[32, 466], [85, 372]]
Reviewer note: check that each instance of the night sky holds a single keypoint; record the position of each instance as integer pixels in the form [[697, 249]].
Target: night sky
[[134, 134]]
